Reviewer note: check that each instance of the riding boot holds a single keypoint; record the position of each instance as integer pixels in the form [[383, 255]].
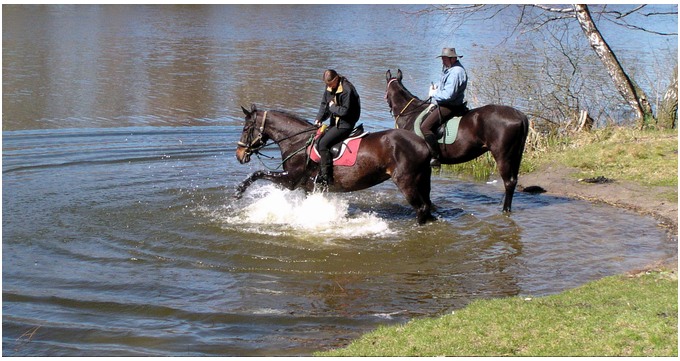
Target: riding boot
[[433, 146], [325, 176]]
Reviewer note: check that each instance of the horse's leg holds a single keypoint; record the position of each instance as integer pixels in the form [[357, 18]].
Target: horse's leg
[[508, 162], [416, 188], [510, 183], [508, 168], [281, 178], [424, 187]]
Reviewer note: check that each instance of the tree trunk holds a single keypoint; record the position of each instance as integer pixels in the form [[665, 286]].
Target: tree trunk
[[635, 96], [585, 122], [668, 109]]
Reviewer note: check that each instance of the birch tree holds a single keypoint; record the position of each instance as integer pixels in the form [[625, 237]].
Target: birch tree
[[535, 17], [633, 94], [668, 109]]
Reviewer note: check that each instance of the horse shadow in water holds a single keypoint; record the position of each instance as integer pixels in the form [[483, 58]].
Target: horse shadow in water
[[397, 154]]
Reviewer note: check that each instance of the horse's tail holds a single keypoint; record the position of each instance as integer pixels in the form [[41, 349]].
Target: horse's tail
[[525, 131]]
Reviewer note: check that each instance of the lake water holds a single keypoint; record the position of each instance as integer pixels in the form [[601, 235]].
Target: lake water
[[120, 233], [111, 66]]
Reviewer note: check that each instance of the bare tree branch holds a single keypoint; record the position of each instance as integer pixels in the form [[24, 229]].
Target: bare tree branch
[[623, 15], [619, 18], [554, 10]]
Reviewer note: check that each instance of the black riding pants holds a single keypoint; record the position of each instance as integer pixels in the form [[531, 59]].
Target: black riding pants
[[332, 136]]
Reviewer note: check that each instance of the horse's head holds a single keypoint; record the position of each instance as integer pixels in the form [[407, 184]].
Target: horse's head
[[389, 92], [253, 136], [404, 106]]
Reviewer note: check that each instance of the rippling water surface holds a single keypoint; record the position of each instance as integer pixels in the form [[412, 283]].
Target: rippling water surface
[[127, 241], [120, 235]]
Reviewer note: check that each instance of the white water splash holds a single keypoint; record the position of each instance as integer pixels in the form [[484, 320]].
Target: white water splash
[[280, 211]]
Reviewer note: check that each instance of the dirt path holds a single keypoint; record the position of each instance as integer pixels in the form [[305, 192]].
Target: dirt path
[[646, 200]]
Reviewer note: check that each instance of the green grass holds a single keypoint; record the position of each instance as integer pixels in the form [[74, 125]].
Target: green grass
[[479, 168], [647, 157], [615, 316]]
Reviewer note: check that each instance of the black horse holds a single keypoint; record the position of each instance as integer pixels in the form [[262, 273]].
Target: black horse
[[394, 153], [500, 129]]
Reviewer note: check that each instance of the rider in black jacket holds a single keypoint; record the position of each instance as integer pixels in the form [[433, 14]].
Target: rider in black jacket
[[341, 104]]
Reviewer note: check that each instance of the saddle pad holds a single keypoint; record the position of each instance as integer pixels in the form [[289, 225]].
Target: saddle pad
[[348, 151], [450, 132]]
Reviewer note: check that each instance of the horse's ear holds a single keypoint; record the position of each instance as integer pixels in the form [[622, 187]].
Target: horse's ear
[[399, 75], [245, 111], [253, 108], [388, 75]]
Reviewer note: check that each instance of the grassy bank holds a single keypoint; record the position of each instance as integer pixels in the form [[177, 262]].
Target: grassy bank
[[648, 157], [615, 316]]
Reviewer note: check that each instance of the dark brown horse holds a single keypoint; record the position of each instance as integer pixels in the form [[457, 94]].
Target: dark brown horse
[[499, 129], [394, 153]]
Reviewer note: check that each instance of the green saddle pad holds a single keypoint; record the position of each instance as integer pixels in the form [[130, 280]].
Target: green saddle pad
[[449, 134]]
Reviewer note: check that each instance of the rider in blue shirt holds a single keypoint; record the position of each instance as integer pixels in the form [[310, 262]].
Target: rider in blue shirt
[[449, 97]]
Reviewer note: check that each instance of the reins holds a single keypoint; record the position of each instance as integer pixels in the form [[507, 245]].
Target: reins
[[283, 161], [396, 117]]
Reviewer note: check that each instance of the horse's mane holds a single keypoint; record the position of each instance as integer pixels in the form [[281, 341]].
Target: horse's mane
[[407, 91], [292, 116]]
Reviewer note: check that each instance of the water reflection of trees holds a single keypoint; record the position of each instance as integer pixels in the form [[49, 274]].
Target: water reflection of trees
[[160, 65]]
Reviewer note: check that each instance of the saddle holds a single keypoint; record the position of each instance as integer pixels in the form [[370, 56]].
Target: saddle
[[344, 152], [448, 130]]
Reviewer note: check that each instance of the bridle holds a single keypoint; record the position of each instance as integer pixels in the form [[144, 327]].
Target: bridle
[[396, 117], [254, 145]]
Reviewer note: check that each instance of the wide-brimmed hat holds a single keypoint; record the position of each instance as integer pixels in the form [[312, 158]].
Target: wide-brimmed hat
[[449, 53]]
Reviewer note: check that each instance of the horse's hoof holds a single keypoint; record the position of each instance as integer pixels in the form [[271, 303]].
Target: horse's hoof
[[426, 218]]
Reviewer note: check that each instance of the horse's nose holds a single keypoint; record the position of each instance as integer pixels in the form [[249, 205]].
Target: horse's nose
[[242, 155]]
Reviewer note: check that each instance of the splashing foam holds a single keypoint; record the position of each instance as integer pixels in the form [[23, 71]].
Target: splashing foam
[[320, 214]]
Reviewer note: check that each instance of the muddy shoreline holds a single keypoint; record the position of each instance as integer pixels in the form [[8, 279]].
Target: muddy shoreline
[[647, 200]]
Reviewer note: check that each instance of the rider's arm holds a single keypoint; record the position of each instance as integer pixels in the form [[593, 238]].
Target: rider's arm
[[342, 107], [453, 86], [323, 113], [447, 88]]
